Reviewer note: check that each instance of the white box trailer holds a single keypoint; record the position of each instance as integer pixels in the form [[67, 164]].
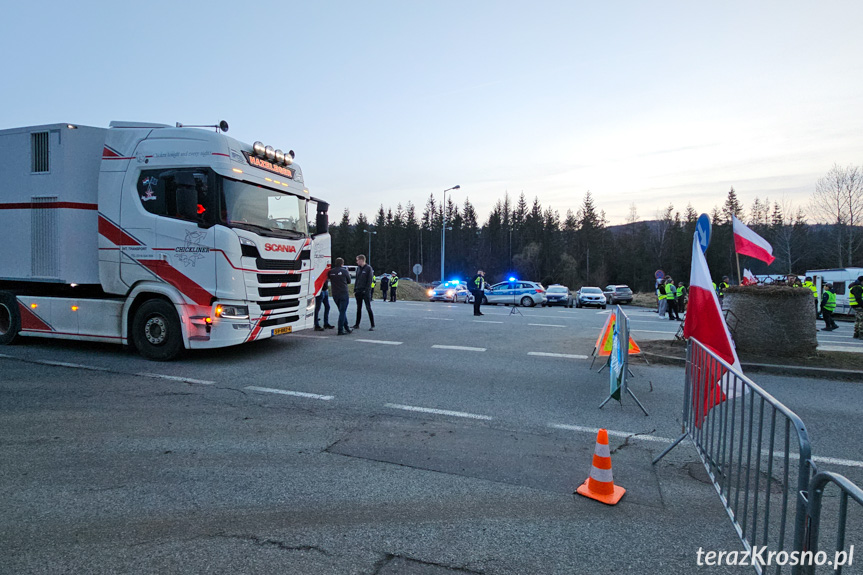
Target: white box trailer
[[49, 206], [152, 235]]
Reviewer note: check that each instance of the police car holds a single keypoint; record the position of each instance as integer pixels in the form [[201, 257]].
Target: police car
[[454, 291], [513, 292]]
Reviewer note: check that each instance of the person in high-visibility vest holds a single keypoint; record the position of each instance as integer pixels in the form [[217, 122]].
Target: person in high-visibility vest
[[807, 283], [828, 304], [855, 297], [394, 284], [720, 290], [682, 294], [660, 296], [671, 299]]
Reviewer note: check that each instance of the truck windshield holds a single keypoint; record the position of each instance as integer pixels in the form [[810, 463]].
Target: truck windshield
[[260, 208]]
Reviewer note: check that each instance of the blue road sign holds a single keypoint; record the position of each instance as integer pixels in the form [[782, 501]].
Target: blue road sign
[[702, 231]]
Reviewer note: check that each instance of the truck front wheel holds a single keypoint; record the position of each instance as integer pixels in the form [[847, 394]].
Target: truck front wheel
[[10, 318], [156, 331]]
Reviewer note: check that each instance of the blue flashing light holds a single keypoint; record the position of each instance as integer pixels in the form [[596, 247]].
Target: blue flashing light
[[512, 279]]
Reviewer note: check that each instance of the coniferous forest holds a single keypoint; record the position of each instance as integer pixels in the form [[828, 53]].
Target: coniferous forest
[[534, 242]]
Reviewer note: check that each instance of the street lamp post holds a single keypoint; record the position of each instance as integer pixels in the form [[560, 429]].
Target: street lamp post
[[443, 232], [369, 258]]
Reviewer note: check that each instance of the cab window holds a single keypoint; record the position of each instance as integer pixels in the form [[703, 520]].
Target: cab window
[[184, 194]]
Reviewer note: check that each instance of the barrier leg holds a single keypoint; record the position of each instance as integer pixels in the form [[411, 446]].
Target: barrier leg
[[669, 448]]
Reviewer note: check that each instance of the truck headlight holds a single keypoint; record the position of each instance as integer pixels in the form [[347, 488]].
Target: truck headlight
[[232, 311]]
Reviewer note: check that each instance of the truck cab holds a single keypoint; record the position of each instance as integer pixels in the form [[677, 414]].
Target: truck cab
[[199, 240]]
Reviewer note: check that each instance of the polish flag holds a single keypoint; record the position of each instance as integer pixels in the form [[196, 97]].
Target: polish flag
[[750, 244], [704, 321], [748, 278]]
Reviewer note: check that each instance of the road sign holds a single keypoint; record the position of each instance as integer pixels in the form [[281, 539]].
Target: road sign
[[418, 269], [659, 274], [702, 231]]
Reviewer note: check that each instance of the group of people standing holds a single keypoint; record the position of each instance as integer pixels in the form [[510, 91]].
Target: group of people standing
[[672, 299], [338, 279]]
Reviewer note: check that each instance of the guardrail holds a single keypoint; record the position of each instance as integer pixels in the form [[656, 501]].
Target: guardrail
[[841, 556], [755, 450]]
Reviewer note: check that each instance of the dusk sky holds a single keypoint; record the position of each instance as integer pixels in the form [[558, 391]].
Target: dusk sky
[[387, 102]]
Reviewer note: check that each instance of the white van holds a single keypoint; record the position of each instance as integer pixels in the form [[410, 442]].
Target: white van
[[840, 278]]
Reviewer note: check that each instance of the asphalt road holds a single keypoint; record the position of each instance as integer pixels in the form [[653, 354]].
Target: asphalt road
[[440, 442]]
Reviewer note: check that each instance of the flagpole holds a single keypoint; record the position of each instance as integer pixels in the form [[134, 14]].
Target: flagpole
[[739, 277]]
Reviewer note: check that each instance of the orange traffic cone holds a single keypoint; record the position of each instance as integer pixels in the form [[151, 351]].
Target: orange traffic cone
[[600, 484]]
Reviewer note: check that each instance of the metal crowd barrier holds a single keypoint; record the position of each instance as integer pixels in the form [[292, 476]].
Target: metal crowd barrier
[[755, 450], [816, 498]]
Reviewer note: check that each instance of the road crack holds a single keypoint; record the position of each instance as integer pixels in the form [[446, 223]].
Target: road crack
[[268, 542]]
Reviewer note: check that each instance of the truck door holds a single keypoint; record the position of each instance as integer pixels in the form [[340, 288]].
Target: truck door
[[181, 205]]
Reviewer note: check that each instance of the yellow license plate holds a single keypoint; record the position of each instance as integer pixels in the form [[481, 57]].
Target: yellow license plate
[[281, 330]]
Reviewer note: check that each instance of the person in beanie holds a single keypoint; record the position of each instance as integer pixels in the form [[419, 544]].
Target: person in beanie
[[828, 304]]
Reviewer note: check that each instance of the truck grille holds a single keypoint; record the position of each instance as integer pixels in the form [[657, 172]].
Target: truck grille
[[279, 304], [277, 291], [288, 265], [278, 278]]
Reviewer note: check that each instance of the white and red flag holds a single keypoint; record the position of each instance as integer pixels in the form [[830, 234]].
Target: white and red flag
[[748, 278], [704, 321], [748, 243]]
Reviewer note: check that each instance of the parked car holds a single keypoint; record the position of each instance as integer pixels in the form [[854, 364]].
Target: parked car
[[559, 295], [514, 292], [617, 294], [454, 291], [589, 296]]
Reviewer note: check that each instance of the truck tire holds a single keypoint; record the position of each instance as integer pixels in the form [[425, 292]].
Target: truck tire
[[156, 330], [10, 318]]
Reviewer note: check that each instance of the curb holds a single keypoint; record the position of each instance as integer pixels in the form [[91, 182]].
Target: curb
[[799, 371]]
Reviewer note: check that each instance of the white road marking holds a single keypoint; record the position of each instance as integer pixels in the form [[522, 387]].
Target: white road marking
[[440, 318], [459, 347], [176, 378], [309, 336], [294, 393], [634, 435], [546, 325], [381, 341], [611, 432], [437, 411], [566, 355], [485, 321], [74, 365]]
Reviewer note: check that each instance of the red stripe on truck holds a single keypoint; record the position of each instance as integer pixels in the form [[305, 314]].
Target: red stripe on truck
[[31, 321], [114, 234], [183, 283]]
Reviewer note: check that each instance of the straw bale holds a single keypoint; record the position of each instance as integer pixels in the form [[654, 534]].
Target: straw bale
[[772, 320]]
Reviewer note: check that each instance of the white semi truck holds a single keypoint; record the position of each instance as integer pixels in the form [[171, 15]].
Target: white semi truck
[[155, 236]]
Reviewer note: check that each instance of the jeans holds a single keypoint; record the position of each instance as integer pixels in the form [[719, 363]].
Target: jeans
[[342, 303], [322, 299]]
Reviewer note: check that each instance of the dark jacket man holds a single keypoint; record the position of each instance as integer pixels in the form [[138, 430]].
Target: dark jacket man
[[363, 291], [340, 277]]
